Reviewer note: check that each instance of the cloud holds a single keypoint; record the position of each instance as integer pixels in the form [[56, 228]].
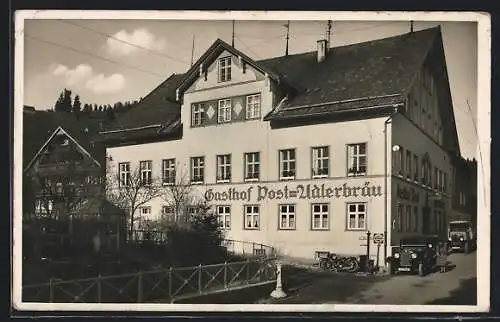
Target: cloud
[[139, 38], [101, 84], [83, 75], [75, 76]]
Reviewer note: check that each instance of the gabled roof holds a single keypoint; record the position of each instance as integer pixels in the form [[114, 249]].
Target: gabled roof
[[59, 131], [154, 111], [353, 76], [39, 125], [212, 53], [357, 77]]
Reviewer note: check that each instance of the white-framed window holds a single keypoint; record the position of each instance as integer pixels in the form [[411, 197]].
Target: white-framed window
[[44, 206], [197, 113], [399, 161], [356, 159], [252, 217], [224, 111], [224, 216], [287, 217], [415, 167], [321, 161], [168, 169], [124, 174], [252, 166], [408, 164], [225, 69], [167, 212], [463, 199], [146, 168], [415, 219], [356, 216], [287, 164], [197, 169], [408, 219], [253, 106], [224, 168], [319, 216], [144, 211], [399, 218]]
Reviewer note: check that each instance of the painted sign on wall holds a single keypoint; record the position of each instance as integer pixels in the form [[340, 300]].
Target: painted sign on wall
[[260, 193]]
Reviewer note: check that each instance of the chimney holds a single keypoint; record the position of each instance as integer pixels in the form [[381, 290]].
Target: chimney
[[321, 50]]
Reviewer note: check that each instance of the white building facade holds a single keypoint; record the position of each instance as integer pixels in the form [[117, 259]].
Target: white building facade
[[304, 172]]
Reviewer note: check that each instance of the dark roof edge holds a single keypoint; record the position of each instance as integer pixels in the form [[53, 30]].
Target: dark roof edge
[[130, 129], [271, 114], [338, 112]]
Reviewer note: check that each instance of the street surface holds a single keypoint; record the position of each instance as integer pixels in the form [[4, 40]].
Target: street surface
[[455, 287]]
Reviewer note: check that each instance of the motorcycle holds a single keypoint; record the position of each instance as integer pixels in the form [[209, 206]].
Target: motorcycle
[[335, 263]]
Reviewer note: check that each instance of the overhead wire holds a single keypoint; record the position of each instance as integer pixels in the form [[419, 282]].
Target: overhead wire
[[125, 42], [93, 55]]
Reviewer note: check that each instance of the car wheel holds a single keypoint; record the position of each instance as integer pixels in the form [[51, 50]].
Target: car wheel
[[466, 248], [421, 270]]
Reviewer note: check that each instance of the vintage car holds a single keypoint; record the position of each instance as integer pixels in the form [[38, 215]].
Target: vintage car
[[416, 254], [461, 236]]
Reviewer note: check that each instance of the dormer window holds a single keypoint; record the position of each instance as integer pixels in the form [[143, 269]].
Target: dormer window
[[225, 69]]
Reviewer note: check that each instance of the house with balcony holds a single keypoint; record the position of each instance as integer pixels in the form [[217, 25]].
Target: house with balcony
[[305, 152]]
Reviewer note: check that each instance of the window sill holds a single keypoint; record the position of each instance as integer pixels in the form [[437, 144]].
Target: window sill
[[223, 181], [252, 180], [168, 183], [196, 182], [247, 228], [286, 228], [287, 178], [321, 176], [356, 229], [356, 174], [320, 229]]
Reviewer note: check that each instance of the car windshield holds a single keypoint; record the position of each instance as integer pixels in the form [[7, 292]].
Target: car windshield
[[417, 241], [459, 226]]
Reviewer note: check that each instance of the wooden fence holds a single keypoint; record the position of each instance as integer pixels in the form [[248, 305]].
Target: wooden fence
[[248, 249], [159, 286]]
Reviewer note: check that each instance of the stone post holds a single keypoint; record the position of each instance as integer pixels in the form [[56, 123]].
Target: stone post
[[278, 292]]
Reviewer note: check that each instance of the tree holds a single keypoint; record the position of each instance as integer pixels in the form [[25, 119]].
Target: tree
[[178, 194], [130, 192], [77, 105], [58, 107], [66, 103], [110, 114], [87, 109]]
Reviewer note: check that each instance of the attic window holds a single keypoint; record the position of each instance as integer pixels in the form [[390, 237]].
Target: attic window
[[225, 69]]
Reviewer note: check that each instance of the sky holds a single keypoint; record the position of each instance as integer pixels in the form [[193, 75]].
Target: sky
[[95, 60]]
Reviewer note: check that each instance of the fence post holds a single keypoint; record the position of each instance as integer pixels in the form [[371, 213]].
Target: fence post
[[247, 278], [170, 283], [199, 278], [139, 287], [225, 275], [253, 248], [51, 291], [99, 288]]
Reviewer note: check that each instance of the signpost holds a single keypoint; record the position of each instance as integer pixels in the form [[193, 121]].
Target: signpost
[[378, 239]]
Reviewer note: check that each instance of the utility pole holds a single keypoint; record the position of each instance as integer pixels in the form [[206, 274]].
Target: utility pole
[[287, 36], [329, 30], [192, 52], [232, 38], [411, 25]]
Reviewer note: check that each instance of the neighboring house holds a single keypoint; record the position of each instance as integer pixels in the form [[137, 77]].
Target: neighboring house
[[305, 152], [464, 197], [65, 174]]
